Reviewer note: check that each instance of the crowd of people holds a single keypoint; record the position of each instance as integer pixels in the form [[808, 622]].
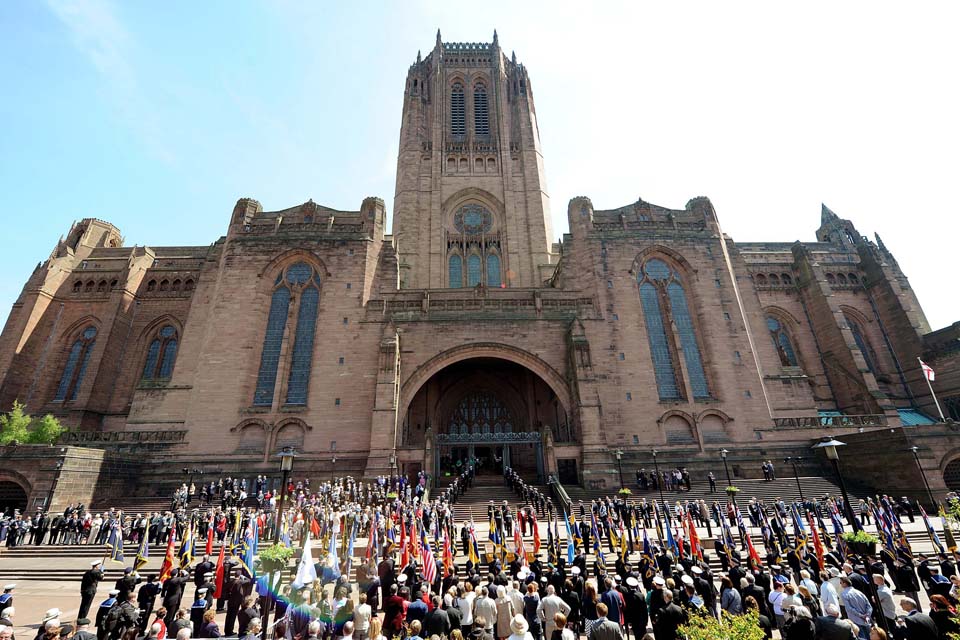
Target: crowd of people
[[602, 570]]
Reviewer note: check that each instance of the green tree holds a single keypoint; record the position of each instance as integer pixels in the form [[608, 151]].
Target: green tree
[[18, 426], [707, 627]]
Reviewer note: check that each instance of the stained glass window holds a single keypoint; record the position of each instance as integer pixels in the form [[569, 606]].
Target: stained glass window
[[493, 270], [781, 342], [455, 271], [473, 219], [473, 270], [458, 117], [169, 357], [153, 353], [161, 355], [663, 369], [481, 115], [68, 370], [76, 367], [868, 354], [270, 356], [688, 340], [663, 299], [303, 347]]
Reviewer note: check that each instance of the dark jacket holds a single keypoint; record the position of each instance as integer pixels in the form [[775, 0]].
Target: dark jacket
[[437, 622]]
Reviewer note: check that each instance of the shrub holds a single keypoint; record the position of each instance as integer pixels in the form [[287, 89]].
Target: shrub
[[860, 537], [19, 427], [707, 627]]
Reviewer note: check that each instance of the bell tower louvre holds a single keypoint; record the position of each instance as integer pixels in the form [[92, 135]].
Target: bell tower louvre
[[471, 204]]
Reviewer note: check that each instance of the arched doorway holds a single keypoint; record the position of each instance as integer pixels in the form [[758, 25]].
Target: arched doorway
[[488, 412], [12, 496]]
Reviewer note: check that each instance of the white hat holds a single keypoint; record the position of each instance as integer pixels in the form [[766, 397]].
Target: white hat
[[51, 614], [660, 581], [834, 572], [94, 563], [632, 582], [53, 623], [10, 587], [575, 571], [202, 591], [687, 580], [402, 578], [114, 592], [519, 625], [696, 570]]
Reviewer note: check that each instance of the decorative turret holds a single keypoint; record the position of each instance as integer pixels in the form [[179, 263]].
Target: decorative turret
[[836, 230]]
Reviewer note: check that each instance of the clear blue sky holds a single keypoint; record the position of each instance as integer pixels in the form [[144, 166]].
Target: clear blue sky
[[157, 117]]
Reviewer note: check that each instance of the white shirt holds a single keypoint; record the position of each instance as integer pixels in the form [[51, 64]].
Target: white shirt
[[466, 608], [828, 595], [361, 617]]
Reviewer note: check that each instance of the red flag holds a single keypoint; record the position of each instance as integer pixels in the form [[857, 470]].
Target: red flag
[[219, 575], [536, 533], [314, 527], [210, 537], [695, 548], [753, 558], [817, 545], [414, 541], [447, 553], [166, 569], [404, 550]]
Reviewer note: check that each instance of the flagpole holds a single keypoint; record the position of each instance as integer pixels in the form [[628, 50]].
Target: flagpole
[[930, 386]]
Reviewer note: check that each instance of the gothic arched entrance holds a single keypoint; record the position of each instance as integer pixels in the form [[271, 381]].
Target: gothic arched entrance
[[12, 496], [488, 412]]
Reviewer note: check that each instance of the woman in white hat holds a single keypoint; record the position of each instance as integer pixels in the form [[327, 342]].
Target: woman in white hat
[[519, 629]]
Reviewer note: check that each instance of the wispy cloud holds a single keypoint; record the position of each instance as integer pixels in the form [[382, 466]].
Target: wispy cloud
[[96, 30]]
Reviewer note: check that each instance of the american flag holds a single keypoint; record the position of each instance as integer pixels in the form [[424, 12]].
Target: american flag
[[429, 562]]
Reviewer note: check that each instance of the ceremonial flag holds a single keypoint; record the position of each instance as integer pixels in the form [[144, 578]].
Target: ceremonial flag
[[473, 548], [166, 568], [753, 558], [353, 537], [314, 527], [947, 532], [429, 562], [219, 574], [332, 571], [838, 530], [817, 545], [391, 535], [209, 549], [646, 558], [115, 542], [373, 541], [570, 543], [143, 554], [928, 371], [414, 541], [249, 549], [536, 533], [597, 550], [695, 549], [494, 536], [799, 531], [551, 549], [447, 553], [671, 542], [186, 547], [934, 538], [306, 570], [404, 549], [521, 550]]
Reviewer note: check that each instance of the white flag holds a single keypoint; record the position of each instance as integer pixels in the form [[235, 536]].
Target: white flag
[[928, 371], [306, 571]]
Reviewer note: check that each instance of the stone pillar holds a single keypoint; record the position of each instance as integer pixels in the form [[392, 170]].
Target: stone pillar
[[384, 434]]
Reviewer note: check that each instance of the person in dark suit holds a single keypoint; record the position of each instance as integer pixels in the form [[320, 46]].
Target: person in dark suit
[[670, 618], [915, 625], [88, 587]]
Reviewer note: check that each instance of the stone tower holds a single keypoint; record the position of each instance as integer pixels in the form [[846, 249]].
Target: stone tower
[[471, 204]]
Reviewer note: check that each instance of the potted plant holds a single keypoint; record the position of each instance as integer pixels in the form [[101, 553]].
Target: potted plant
[[745, 627], [625, 492], [732, 491], [392, 495], [274, 558], [861, 543]]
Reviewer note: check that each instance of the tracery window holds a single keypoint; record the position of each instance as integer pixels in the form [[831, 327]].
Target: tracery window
[[473, 219], [458, 115], [76, 366], [298, 284], [481, 412], [664, 300], [455, 271], [161, 355], [473, 270], [493, 270], [481, 115], [781, 342], [869, 355]]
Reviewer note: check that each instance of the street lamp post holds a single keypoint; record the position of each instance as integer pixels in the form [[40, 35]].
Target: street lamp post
[[916, 456], [619, 454], [266, 601], [829, 446], [794, 460], [656, 469]]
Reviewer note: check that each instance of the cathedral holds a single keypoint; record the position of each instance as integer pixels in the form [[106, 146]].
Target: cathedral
[[472, 332]]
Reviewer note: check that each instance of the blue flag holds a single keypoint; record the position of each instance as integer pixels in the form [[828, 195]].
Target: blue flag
[[570, 550], [115, 541]]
